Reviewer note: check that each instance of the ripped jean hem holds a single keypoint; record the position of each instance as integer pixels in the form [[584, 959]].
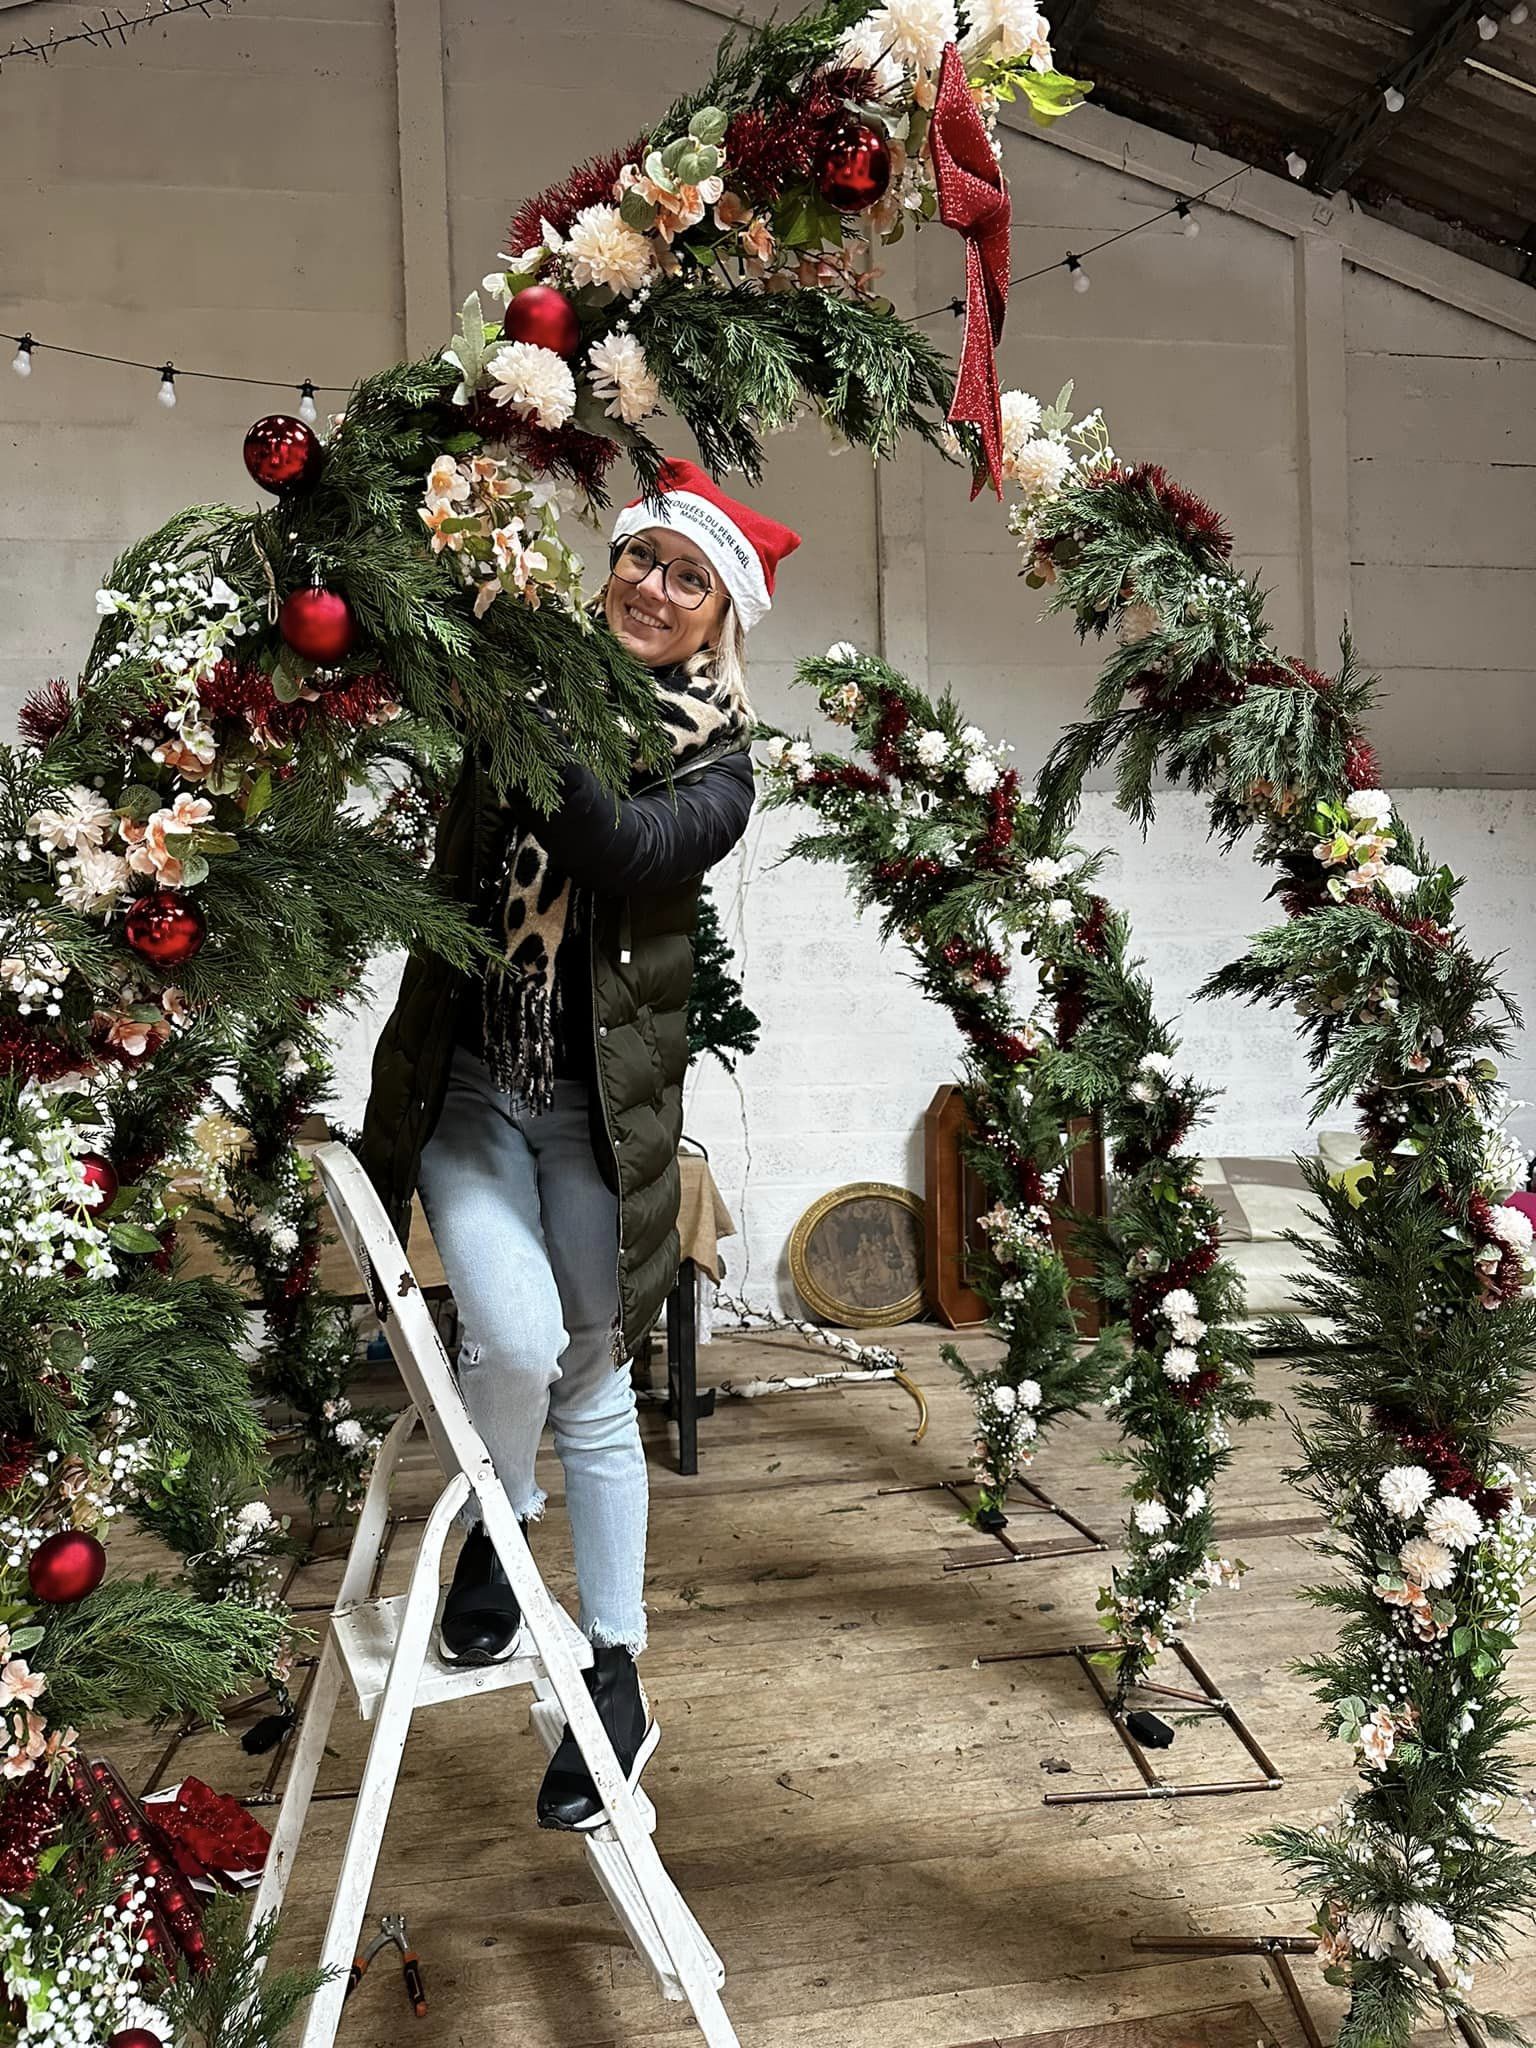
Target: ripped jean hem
[[532, 1510], [601, 1637]]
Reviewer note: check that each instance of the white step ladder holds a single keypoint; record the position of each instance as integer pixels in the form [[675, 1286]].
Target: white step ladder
[[386, 1648]]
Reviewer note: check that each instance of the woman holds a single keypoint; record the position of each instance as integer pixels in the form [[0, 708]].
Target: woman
[[539, 1107]]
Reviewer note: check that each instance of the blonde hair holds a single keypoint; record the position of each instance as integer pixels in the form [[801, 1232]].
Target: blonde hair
[[726, 661]]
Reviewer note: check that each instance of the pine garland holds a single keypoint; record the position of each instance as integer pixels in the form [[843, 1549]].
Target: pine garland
[[719, 1022], [1426, 1277]]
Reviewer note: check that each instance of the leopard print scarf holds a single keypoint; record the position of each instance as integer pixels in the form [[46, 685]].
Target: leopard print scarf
[[534, 902]]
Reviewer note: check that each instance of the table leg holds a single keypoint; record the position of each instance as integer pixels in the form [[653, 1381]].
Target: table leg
[[683, 1364]]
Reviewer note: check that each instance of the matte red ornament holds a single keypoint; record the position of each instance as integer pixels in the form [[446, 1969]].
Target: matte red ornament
[[134, 2037], [545, 317], [165, 928], [282, 453], [853, 164], [318, 624], [100, 1179], [67, 1566]]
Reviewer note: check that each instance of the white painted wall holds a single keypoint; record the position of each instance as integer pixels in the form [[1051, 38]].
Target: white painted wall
[[304, 187]]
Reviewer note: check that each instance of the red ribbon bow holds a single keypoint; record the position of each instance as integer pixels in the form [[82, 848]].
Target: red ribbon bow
[[213, 1828], [974, 199]]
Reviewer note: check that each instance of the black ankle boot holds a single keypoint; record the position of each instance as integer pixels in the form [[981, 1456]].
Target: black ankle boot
[[481, 1617], [568, 1798]]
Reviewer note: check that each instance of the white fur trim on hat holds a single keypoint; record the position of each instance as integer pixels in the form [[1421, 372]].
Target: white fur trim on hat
[[717, 538]]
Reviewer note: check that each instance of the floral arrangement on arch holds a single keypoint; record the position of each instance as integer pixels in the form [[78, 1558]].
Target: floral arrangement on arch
[[1425, 1287]]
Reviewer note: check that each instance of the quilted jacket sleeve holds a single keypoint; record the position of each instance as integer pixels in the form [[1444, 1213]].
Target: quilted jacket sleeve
[[637, 845]]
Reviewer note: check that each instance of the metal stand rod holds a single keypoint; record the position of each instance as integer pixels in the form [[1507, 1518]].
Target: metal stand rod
[[1210, 1700], [1042, 1504]]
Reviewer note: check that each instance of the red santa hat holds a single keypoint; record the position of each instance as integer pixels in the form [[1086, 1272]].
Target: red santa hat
[[742, 545]]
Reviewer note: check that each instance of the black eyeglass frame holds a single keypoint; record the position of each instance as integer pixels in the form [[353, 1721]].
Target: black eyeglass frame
[[621, 548]]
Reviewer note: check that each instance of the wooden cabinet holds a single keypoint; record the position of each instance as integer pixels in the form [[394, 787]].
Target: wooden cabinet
[[955, 1200]]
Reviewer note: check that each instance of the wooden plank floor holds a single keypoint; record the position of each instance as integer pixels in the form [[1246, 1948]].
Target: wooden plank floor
[[850, 1802]]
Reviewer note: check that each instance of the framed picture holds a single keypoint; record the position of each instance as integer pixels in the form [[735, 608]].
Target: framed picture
[[856, 1256]]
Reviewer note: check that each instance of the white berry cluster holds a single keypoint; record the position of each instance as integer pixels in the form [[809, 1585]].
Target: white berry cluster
[[78, 1997], [181, 621], [44, 1230]]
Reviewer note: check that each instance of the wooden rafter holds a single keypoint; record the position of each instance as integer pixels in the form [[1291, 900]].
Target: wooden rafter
[[1430, 58]]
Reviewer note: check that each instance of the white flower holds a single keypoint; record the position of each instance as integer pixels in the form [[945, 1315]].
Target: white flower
[[1371, 1934], [1151, 1517], [980, 774], [1059, 910], [1194, 1500], [1004, 1399], [1179, 1302], [1427, 1564], [603, 249], [1029, 1393], [1396, 879], [1180, 1363], [973, 739], [1405, 1490], [776, 752], [1040, 468], [533, 381], [1005, 29], [1045, 874], [1453, 1522], [350, 1434], [93, 882], [1372, 806], [907, 31], [255, 1515], [842, 650], [932, 749], [285, 1238], [799, 758], [77, 818], [1143, 1091], [620, 374], [1511, 1227], [1021, 416], [1428, 1933]]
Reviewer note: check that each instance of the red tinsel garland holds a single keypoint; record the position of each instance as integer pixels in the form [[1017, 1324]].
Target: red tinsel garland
[[29, 1055], [46, 712], [29, 1817], [590, 184], [894, 721], [1362, 769], [773, 146], [1193, 520]]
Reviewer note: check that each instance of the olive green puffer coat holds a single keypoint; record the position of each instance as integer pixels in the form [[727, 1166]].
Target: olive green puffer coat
[[639, 862]]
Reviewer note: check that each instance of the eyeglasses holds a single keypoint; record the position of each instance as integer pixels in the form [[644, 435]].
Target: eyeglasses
[[683, 582]]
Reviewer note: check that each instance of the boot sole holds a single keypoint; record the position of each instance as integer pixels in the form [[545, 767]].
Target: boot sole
[[481, 1660], [599, 1819]]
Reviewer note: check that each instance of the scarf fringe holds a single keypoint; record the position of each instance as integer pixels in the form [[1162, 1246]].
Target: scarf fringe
[[517, 1014]]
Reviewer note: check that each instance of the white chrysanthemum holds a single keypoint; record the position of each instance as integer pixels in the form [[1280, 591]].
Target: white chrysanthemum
[[1405, 1491], [1511, 1227], [980, 774], [1151, 1517], [1194, 1500], [1029, 1393], [1021, 416], [932, 749], [621, 376], [1371, 1934], [350, 1435], [533, 381], [1143, 1092], [255, 1515], [842, 650], [1004, 1400], [1453, 1522], [604, 249], [1180, 1363], [1044, 874], [77, 817], [1369, 806], [1428, 1933], [973, 739], [285, 1239], [776, 752], [1397, 880], [1429, 1565], [905, 31], [1006, 29], [1177, 1302], [1060, 910], [94, 881], [1040, 468]]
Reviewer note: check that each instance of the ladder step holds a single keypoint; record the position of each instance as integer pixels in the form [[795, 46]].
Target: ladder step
[[366, 1636]]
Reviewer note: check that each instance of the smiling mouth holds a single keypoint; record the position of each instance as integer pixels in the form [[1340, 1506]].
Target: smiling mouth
[[648, 622]]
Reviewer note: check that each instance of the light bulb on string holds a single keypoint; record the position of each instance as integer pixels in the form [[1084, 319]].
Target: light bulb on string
[[309, 412], [167, 392], [1519, 14], [1487, 27], [1189, 227], [21, 362], [1295, 163], [1081, 281], [1394, 100]]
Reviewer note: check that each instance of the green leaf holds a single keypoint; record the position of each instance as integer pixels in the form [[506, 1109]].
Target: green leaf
[[194, 869], [51, 1856], [260, 795], [138, 802], [24, 1639], [709, 125], [133, 1237], [636, 211]]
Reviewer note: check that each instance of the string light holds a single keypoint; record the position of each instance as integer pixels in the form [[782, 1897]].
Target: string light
[[1395, 102], [167, 391], [107, 29], [309, 412], [27, 345], [1081, 281], [1487, 27], [1190, 226], [1519, 14], [1296, 163], [21, 362]]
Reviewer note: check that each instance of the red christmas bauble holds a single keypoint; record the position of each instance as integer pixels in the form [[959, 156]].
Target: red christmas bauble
[[282, 454], [853, 164], [165, 928], [318, 624], [545, 317], [100, 1179], [134, 2037], [67, 1566]]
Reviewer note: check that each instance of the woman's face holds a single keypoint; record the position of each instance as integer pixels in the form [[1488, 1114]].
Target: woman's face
[[644, 611]]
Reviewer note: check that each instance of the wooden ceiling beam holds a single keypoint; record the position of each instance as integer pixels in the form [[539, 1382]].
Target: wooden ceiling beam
[[1426, 63]]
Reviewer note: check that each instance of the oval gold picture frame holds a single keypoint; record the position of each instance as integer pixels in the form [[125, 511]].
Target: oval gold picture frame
[[820, 1291]]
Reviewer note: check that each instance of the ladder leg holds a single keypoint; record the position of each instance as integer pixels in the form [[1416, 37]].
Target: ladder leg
[[303, 1768], [391, 1727]]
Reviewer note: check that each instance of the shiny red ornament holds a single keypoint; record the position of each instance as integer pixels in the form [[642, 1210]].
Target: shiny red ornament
[[165, 928], [134, 2037], [282, 453], [318, 624], [100, 1179], [67, 1566], [853, 164], [545, 317]]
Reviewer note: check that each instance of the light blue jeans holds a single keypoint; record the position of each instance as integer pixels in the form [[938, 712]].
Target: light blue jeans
[[528, 1233]]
